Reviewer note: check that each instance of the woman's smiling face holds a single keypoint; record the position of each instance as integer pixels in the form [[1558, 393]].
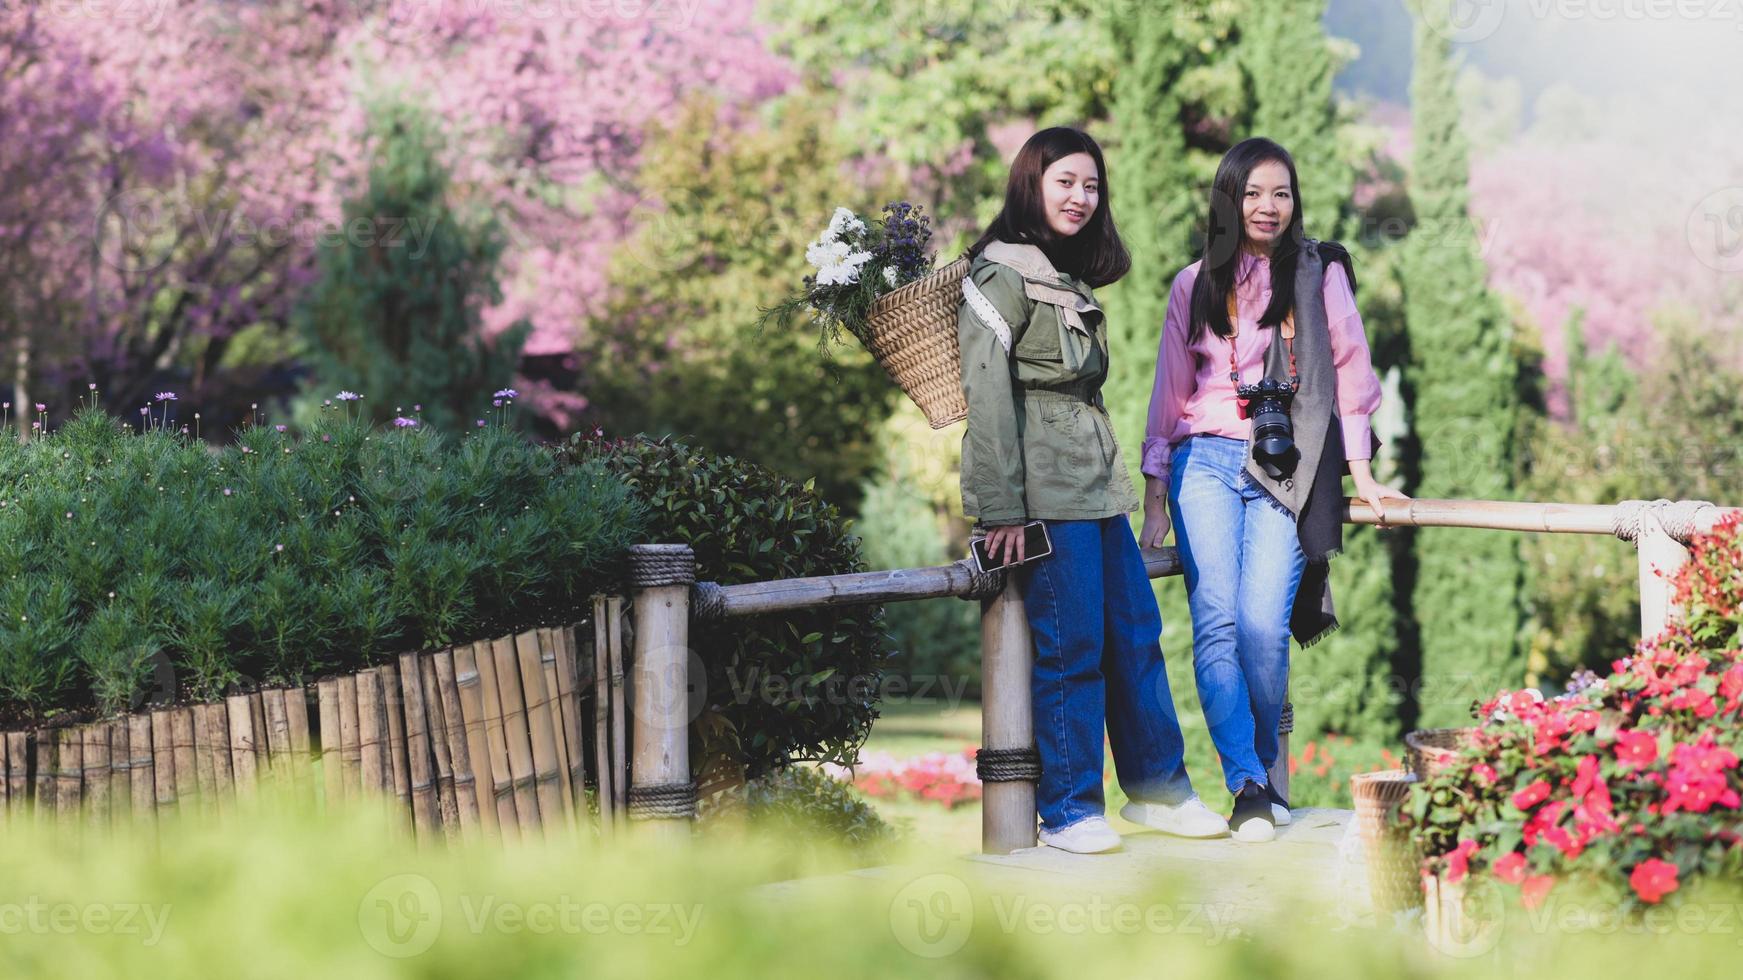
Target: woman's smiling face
[[1267, 206], [1070, 192]]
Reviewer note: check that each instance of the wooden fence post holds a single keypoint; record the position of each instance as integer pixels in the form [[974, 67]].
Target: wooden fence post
[[1008, 764], [1279, 771], [660, 788], [1660, 555]]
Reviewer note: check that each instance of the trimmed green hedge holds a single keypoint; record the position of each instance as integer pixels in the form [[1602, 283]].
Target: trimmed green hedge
[[148, 566]]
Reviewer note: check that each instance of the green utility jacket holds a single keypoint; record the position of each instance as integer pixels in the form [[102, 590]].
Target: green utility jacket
[[1039, 444]]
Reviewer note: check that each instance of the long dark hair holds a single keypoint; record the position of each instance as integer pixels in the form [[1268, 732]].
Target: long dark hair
[[1226, 234], [1095, 254]]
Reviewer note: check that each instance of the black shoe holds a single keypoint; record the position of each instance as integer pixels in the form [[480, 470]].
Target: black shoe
[[1279, 806], [1252, 822]]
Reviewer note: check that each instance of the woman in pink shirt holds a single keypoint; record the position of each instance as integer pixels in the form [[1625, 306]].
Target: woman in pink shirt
[[1241, 523]]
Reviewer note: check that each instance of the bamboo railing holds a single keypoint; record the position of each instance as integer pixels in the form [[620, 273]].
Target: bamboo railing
[[669, 599]]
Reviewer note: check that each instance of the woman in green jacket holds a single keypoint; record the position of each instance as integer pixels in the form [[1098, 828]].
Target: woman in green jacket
[[1040, 446]]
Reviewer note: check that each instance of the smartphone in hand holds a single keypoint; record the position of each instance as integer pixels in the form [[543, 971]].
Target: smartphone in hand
[[1036, 545]]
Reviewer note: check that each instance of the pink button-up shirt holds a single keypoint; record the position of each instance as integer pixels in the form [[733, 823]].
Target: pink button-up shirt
[[1193, 393]]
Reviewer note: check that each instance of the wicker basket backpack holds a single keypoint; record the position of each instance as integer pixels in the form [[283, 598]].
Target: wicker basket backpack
[[912, 333]]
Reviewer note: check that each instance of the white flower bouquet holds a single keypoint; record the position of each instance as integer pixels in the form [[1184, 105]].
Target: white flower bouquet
[[853, 265]]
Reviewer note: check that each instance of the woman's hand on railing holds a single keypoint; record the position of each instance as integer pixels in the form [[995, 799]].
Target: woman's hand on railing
[[1156, 523], [1371, 490]]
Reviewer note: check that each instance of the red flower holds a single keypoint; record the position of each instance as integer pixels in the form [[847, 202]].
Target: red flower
[[1585, 775], [1703, 755], [1458, 863], [1697, 792], [1652, 879], [1484, 773], [1636, 749], [1510, 867], [1696, 700], [1568, 844], [1535, 890], [1532, 795]]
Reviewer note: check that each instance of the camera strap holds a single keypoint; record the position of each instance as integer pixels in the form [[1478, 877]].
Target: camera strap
[[1288, 331]]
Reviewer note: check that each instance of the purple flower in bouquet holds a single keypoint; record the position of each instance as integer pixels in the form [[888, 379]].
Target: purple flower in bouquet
[[902, 251]]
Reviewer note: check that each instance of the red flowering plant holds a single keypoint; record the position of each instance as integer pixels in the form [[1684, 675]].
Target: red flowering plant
[[1630, 781]]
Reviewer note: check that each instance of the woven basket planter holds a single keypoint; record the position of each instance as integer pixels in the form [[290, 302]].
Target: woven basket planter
[[1393, 864], [912, 333], [1432, 750]]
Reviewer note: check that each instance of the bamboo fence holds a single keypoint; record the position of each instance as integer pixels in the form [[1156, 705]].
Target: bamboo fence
[[421, 735]]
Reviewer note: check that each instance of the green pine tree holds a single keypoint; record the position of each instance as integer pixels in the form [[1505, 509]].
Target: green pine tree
[[395, 310], [1290, 63], [1464, 389]]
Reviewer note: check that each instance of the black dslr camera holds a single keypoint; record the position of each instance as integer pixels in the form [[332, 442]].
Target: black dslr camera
[[1267, 404]]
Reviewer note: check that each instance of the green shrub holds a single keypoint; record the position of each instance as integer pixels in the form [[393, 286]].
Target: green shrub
[[791, 686], [281, 556], [803, 805]]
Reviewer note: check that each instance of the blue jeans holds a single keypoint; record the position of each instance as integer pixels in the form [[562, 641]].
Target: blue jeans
[[1098, 656], [1243, 562]]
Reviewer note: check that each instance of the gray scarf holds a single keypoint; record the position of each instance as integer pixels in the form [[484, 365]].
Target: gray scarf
[[1313, 493]]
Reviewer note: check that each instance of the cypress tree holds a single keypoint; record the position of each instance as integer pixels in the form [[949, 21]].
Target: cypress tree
[[395, 310], [1464, 388], [1290, 66], [1156, 198]]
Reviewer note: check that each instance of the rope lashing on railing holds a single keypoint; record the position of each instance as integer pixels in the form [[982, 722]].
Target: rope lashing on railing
[[664, 801], [707, 602], [652, 565], [1286, 720], [1007, 765], [984, 585], [1682, 519]]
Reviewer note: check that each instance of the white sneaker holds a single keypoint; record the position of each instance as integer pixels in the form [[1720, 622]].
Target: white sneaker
[[1190, 818], [1091, 835]]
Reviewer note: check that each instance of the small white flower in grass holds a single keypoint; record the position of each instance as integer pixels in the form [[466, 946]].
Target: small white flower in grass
[[890, 275]]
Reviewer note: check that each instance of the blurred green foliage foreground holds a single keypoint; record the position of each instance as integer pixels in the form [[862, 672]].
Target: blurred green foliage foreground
[[278, 892]]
